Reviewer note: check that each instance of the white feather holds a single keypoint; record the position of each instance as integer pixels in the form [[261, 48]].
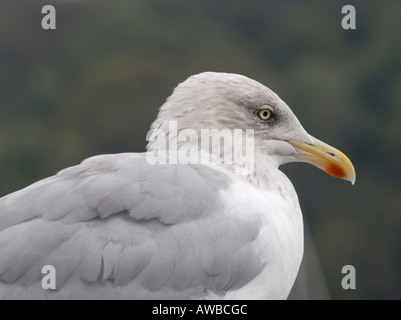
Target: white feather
[[117, 227]]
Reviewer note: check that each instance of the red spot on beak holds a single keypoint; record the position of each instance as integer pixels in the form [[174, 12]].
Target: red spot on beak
[[336, 171]]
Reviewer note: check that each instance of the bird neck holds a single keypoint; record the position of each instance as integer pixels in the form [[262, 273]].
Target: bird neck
[[264, 173]]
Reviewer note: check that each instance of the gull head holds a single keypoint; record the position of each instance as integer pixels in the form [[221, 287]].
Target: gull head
[[224, 103]]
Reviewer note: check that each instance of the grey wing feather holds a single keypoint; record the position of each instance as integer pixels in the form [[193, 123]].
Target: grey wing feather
[[118, 227]]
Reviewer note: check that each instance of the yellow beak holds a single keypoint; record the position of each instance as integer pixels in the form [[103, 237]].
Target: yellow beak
[[325, 157]]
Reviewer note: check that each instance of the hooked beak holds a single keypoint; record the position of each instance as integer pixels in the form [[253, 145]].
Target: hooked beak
[[326, 158]]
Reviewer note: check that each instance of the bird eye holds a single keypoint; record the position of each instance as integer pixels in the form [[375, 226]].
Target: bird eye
[[265, 114]]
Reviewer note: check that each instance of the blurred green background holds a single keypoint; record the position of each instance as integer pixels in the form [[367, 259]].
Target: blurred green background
[[94, 85]]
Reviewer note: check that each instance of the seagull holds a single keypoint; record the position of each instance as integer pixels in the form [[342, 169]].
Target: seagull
[[178, 221]]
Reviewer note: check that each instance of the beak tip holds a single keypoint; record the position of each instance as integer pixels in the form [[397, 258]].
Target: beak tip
[[351, 176]]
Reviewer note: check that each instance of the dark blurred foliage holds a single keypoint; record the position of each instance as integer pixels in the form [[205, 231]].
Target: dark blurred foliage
[[95, 83]]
